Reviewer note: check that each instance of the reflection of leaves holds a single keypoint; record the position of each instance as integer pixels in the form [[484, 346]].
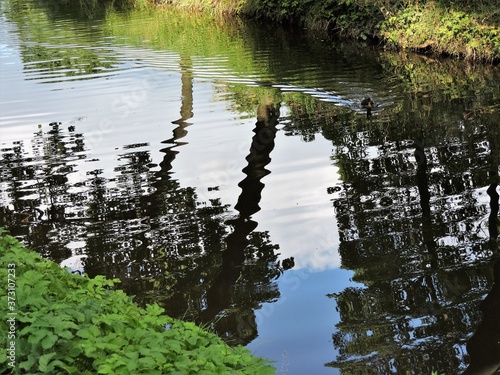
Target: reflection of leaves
[[455, 79], [420, 295], [288, 263], [261, 263], [420, 287], [57, 49], [141, 225], [71, 61]]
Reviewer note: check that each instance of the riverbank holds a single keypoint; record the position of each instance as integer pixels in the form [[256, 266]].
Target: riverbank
[[463, 29], [57, 322]]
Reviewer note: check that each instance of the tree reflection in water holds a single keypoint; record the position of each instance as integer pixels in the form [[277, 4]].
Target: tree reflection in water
[[484, 346], [227, 288], [412, 229], [143, 228]]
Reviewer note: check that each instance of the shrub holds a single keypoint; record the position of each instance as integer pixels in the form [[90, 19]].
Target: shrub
[[69, 324]]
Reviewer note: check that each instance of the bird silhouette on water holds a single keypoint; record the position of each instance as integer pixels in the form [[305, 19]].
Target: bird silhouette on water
[[367, 104]]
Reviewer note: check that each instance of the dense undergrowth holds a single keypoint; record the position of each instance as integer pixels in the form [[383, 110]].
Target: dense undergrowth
[[67, 324], [465, 28]]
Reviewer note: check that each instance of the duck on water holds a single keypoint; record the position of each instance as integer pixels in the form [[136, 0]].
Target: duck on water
[[367, 104]]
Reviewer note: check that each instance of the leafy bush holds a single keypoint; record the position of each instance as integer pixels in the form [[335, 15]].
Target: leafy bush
[[69, 324]]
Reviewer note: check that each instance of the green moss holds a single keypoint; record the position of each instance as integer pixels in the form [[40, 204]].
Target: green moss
[[67, 324]]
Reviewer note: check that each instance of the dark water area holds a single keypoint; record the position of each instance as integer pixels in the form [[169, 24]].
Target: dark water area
[[227, 171]]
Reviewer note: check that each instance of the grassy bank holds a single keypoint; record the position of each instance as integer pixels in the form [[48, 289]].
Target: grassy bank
[[59, 323], [465, 28]]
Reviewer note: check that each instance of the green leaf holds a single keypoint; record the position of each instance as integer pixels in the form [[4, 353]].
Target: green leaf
[[192, 340], [154, 310], [28, 363], [88, 333], [75, 351], [49, 341], [147, 362], [38, 336], [134, 356], [174, 345], [89, 350], [44, 361], [68, 335]]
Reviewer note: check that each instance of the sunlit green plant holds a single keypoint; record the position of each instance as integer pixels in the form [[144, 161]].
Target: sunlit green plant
[[70, 324], [443, 30], [466, 28]]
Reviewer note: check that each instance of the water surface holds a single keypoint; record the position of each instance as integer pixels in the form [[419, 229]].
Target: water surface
[[226, 171]]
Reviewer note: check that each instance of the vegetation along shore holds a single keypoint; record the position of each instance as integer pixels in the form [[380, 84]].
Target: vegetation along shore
[[59, 322], [466, 29]]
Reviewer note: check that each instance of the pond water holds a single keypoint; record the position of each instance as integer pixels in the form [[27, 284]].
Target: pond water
[[227, 171]]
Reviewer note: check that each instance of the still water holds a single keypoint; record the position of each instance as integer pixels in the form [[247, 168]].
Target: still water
[[226, 171]]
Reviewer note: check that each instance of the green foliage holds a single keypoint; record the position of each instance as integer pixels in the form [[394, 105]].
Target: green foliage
[[347, 17], [465, 28], [228, 7], [75, 325], [353, 18], [280, 10], [443, 30]]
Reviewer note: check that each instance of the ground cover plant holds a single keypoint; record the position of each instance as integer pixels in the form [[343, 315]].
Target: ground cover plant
[[62, 323]]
